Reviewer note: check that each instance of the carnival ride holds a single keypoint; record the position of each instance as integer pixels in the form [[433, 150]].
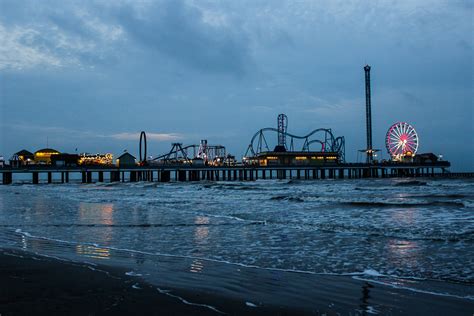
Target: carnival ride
[[401, 141], [323, 137], [202, 154]]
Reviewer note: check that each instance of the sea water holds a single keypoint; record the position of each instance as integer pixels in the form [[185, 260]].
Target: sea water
[[413, 234]]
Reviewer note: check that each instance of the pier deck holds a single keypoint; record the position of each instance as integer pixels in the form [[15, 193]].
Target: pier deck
[[166, 173]]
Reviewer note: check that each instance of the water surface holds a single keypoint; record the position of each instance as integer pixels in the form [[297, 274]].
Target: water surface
[[417, 235]]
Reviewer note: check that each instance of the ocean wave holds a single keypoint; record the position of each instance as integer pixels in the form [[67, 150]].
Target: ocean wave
[[394, 204], [468, 203], [233, 186], [427, 234], [286, 198], [411, 183], [381, 188], [147, 225], [445, 196]]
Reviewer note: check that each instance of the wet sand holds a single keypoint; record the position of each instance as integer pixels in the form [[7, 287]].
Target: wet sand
[[32, 285]]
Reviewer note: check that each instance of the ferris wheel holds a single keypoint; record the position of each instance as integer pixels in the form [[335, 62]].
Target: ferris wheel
[[401, 140]]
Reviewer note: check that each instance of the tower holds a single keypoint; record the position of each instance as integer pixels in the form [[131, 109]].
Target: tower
[[282, 126], [368, 115]]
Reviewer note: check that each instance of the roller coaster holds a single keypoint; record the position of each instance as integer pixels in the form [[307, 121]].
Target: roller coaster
[[323, 137], [202, 154]]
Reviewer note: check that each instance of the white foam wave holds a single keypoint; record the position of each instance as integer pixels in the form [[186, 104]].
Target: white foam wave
[[468, 203], [372, 272], [469, 297], [133, 273], [167, 292]]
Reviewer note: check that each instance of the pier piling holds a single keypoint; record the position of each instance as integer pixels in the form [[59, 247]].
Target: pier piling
[[35, 177]]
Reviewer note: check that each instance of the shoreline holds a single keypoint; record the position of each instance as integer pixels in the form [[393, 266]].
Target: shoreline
[[35, 284]]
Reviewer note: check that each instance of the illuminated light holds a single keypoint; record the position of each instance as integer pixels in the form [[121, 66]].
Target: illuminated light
[[301, 158], [272, 158], [44, 155], [97, 159], [401, 141]]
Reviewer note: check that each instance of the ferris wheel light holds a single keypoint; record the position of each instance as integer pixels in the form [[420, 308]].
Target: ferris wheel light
[[401, 141]]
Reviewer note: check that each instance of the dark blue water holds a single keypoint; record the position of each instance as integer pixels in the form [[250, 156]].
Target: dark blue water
[[411, 234]]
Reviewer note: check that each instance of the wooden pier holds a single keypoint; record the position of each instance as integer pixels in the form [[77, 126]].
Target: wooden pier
[[183, 173]]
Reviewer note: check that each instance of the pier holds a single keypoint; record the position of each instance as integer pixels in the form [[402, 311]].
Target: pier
[[185, 173]]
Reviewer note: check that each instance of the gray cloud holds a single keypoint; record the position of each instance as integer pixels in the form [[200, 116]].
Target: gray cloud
[[89, 35], [150, 136], [54, 34], [181, 32]]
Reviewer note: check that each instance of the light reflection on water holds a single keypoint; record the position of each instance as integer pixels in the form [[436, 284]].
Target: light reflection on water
[[93, 252], [196, 266], [201, 232], [405, 216], [201, 235], [99, 213], [404, 253]]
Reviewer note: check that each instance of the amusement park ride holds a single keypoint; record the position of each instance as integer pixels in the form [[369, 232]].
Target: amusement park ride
[[202, 155], [331, 149], [401, 141]]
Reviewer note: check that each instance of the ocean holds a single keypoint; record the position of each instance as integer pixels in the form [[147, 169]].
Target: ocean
[[265, 241]]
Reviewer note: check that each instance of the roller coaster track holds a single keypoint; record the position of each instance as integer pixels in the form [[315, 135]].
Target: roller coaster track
[[329, 143], [180, 152]]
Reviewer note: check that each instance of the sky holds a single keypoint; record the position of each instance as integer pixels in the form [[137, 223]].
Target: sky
[[90, 75]]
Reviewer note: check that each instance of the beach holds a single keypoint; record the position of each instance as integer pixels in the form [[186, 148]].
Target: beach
[[33, 284]]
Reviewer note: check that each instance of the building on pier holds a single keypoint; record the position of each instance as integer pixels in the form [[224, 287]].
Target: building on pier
[[126, 160], [22, 158], [65, 160], [425, 158], [293, 158], [43, 156]]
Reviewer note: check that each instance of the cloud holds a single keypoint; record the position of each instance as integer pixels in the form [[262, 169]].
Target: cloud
[[72, 133], [150, 136], [16, 51], [59, 34], [44, 36], [194, 37]]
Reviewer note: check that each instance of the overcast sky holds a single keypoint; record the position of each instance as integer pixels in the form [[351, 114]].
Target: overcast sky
[[92, 74]]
